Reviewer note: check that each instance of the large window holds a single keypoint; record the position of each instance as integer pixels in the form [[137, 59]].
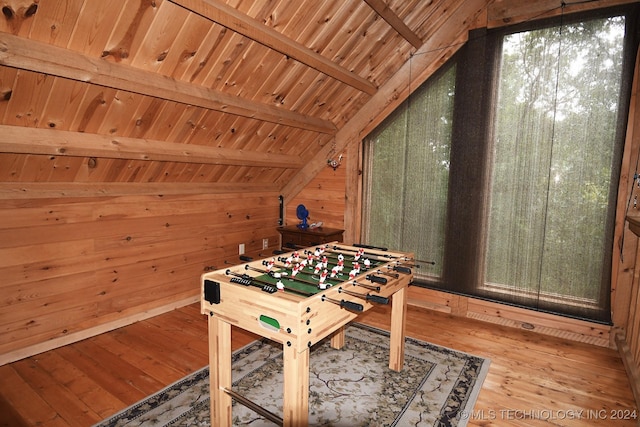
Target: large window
[[554, 150], [503, 167], [409, 165]]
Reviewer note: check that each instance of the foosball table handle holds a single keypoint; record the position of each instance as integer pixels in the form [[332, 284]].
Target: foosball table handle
[[353, 306], [405, 270], [377, 299], [377, 279]]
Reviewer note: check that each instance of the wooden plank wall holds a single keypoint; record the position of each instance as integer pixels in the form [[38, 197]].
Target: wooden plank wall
[[324, 198], [626, 266], [75, 266]]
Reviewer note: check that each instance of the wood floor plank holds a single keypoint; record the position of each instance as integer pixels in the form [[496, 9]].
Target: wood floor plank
[[9, 417], [97, 400], [110, 374], [180, 357], [127, 351], [26, 402], [70, 408], [534, 380], [171, 328]]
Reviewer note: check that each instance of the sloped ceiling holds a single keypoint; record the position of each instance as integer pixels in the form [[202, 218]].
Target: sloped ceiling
[[233, 92], [190, 90]]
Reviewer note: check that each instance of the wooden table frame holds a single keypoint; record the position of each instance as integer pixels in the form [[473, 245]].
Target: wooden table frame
[[305, 321]]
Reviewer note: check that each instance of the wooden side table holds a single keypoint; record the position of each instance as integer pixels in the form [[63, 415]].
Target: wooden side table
[[291, 234]]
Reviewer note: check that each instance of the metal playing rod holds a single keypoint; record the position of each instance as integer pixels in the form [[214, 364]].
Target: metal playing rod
[[254, 407], [362, 245], [370, 255], [422, 261], [386, 256], [386, 273], [370, 287]]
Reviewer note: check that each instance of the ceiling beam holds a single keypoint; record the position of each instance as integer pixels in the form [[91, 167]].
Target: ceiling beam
[[53, 190], [22, 140], [381, 8], [240, 23], [18, 52]]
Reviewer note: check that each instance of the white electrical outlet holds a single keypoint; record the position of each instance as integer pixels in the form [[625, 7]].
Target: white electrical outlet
[[241, 249], [265, 243]]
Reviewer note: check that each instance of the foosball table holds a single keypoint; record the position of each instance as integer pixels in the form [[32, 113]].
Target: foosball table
[[299, 298]]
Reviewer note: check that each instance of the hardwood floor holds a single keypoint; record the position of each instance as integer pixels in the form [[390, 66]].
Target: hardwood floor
[[534, 380]]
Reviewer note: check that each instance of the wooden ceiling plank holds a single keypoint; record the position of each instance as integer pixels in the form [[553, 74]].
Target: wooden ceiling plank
[[169, 172], [213, 43], [10, 167], [54, 21], [121, 113], [95, 25], [93, 105], [316, 28], [156, 42], [191, 39], [177, 124], [220, 70], [127, 35], [146, 119], [24, 140], [381, 8], [151, 172], [229, 17], [33, 170], [65, 98], [8, 81], [221, 131], [29, 95], [61, 169], [198, 174], [40, 57]]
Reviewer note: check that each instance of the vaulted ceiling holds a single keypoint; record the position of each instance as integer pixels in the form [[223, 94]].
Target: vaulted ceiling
[[203, 91]]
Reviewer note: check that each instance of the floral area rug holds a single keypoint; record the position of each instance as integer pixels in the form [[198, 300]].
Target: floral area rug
[[352, 386]]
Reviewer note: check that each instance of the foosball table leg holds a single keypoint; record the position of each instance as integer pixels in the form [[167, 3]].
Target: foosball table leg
[[296, 387], [398, 321], [220, 371], [337, 339]]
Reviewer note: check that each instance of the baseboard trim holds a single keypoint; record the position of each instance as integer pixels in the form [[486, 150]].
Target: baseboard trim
[[544, 330], [511, 316]]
